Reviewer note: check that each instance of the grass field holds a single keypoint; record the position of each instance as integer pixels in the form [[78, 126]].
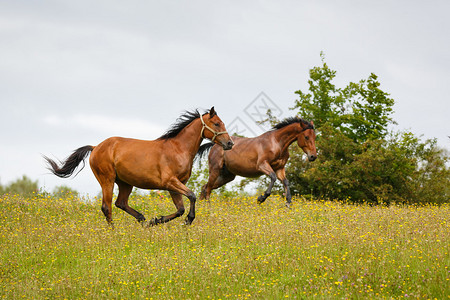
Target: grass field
[[64, 249]]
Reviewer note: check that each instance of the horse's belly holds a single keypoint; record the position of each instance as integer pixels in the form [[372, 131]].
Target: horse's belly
[[151, 176], [243, 170], [248, 174], [141, 181]]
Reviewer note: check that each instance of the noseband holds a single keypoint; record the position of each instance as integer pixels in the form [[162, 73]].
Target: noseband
[[216, 133]]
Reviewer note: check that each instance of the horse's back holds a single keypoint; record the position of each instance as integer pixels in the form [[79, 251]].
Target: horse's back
[[249, 148], [114, 146]]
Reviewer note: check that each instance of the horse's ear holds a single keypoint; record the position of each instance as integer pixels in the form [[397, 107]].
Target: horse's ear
[[312, 123], [212, 112]]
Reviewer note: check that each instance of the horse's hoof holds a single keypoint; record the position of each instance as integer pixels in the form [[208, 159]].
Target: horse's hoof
[[288, 205], [155, 221], [146, 224]]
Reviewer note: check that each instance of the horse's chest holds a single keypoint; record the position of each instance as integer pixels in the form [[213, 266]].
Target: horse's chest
[[182, 170], [278, 163]]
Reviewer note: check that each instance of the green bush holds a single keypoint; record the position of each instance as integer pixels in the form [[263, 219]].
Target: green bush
[[400, 169], [23, 186], [63, 191]]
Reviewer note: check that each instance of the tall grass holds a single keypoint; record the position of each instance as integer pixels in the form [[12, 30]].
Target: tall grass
[[63, 249]]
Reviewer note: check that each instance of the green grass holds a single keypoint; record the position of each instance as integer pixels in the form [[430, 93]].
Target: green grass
[[236, 249]]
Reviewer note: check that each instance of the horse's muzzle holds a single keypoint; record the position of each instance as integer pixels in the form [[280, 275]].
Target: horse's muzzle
[[228, 145], [312, 157]]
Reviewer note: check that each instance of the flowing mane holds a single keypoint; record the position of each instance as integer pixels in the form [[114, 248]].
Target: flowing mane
[[291, 120], [184, 120]]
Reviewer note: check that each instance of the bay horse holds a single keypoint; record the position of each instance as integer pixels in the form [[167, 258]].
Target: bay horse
[[164, 163], [266, 154]]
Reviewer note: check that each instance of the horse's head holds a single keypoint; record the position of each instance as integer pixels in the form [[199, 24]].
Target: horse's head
[[214, 130], [307, 140]]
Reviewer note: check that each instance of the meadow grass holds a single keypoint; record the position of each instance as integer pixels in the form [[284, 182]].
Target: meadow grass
[[236, 249]]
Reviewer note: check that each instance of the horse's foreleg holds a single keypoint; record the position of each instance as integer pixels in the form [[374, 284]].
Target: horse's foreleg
[[267, 193], [122, 200], [177, 189], [267, 169], [288, 192], [282, 177], [191, 215], [178, 201]]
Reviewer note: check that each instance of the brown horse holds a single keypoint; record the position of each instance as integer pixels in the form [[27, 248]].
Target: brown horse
[[164, 163], [265, 154]]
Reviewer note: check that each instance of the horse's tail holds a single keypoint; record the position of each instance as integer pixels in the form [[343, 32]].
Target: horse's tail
[[203, 150], [66, 168]]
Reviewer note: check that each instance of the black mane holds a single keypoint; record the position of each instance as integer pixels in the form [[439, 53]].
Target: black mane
[[291, 120], [184, 120]]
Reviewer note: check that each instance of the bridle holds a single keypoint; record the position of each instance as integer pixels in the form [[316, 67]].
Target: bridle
[[216, 133]]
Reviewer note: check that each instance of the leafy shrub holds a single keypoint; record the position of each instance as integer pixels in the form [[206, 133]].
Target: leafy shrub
[[23, 186]]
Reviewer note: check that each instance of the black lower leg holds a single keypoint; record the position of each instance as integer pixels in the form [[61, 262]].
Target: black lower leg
[[140, 218], [191, 215], [263, 197], [288, 191], [165, 219], [107, 213]]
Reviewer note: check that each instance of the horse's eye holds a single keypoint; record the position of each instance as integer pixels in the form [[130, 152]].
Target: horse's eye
[[216, 124], [306, 137]]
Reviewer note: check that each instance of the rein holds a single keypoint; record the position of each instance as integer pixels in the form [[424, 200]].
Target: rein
[[210, 129]]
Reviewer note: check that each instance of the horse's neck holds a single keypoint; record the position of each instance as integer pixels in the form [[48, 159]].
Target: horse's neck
[[190, 137], [287, 135]]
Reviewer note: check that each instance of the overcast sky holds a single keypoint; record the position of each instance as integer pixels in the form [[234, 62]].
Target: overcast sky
[[73, 73]]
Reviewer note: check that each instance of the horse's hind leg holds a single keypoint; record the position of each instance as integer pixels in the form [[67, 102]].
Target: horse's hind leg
[[105, 175], [223, 179], [207, 188], [214, 171], [216, 180], [122, 200], [107, 194]]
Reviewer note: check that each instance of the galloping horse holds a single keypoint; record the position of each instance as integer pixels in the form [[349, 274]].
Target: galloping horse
[[164, 163], [265, 154]]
